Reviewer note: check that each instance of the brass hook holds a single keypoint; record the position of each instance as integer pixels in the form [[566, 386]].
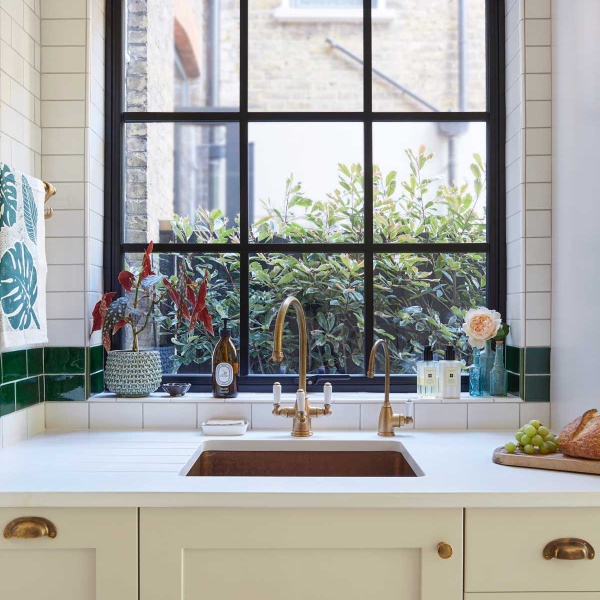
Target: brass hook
[[50, 191]]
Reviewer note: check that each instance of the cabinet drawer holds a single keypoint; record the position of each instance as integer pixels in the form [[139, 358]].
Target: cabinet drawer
[[504, 550]]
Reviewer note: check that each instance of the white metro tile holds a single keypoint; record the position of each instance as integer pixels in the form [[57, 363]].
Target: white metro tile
[[538, 141], [11, 62], [64, 9], [538, 223], [538, 87], [31, 24], [63, 32], [63, 59], [369, 415], [538, 113], [63, 140], [60, 86], [68, 332], [15, 9], [222, 410], [343, 416], [538, 278], [65, 305], [538, 196], [534, 410], [65, 252], [515, 337], [66, 278], [538, 305], [63, 168], [515, 306], [537, 9], [538, 333], [440, 416], [515, 227], [514, 148], [66, 224], [538, 32], [262, 417], [168, 415], [63, 113], [515, 200], [116, 415], [514, 280], [493, 416], [538, 169], [71, 196], [36, 419], [66, 415], [14, 428], [514, 174], [539, 251], [514, 253], [538, 59]]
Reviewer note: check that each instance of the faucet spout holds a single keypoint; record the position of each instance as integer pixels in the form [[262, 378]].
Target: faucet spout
[[387, 419]]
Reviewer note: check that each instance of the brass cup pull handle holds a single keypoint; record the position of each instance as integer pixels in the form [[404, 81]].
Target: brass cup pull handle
[[569, 549], [28, 528], [445, 550]]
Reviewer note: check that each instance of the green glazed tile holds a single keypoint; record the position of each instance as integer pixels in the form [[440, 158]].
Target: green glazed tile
[[64, 387], [14, 365], [27, 392], [7, 399], [514, 383], [62, 361], [514, 359], [537, 361], [537, 388], [96, 359], [97, 383], [35, 361]]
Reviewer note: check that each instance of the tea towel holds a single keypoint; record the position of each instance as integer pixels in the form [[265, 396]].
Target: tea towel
[[23, 265]]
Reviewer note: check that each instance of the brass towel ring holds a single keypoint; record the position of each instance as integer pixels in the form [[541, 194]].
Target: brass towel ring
[[50, 191]]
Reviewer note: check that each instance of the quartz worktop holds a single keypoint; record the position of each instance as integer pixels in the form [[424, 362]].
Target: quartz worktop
[[142, 468]]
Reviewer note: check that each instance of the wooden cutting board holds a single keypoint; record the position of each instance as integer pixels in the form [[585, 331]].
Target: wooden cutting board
[[553, 462]]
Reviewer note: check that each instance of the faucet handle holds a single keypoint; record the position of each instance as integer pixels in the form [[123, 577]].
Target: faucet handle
[[300, 401], [276, 393], [409, 409], [327, 393]]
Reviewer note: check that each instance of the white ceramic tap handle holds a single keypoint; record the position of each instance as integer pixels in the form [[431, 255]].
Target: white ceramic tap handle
[[327, 393], [277, 393], [300, 401], [409, 408]]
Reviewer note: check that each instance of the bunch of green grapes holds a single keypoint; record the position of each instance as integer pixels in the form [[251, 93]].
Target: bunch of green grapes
[[531, 436]]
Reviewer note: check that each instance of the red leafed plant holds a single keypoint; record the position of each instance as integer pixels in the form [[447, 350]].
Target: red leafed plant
[[145, 294]]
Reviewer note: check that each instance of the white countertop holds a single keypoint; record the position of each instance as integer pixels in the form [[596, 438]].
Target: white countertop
[[141, 468]]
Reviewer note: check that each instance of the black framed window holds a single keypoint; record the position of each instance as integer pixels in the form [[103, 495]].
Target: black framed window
[[356, 165]]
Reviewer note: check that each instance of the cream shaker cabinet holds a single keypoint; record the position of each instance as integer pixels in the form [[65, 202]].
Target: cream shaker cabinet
[[322, 554], [69, 554]]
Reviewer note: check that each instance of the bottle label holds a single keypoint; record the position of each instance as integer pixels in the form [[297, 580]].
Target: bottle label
[[429, 376], [451, 375], [224, 374]]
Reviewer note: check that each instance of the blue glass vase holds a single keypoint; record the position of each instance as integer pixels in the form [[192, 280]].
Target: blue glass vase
[[487, 358], [475, 375], [498, 374]]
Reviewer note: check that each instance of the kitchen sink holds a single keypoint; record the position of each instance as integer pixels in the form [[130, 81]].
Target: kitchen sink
[[301, 459]]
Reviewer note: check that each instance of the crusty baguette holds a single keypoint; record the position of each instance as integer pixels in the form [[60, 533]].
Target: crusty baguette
[[581, 437]]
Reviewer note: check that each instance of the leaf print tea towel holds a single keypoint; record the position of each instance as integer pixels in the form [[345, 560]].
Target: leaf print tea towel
[[23, 265]]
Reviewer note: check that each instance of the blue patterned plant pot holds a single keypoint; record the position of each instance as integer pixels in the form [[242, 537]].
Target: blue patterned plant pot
[[133, 374]]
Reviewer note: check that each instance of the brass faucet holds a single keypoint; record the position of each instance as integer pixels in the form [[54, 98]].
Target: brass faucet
[[301, 414], [387, 419]]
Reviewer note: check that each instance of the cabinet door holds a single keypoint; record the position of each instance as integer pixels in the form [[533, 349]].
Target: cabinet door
[[92, 557], [261, 554]]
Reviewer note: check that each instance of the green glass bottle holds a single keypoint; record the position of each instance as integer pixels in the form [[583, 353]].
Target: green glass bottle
[[225, 366]]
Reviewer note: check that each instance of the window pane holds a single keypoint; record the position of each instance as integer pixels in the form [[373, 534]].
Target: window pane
[[182, 350], [306, 182], [330, 288], [429, 187], [422, 298], [427, 49], [182, 55], [181, 182], [293, 62]]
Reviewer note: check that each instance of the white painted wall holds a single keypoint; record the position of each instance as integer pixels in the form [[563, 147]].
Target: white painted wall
[[576, 209]]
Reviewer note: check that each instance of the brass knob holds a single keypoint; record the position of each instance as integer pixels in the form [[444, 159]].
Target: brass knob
[[569, 549], [27, 528], [445, 550]]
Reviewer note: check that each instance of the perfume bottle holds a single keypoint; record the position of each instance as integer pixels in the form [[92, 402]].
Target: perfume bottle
[[427, 375], [450, 375], [475, 389]]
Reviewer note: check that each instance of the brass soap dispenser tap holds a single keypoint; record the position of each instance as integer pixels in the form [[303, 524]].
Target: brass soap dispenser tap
[[387, 419]]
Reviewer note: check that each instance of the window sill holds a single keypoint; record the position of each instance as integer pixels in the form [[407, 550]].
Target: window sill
[[330, 15], [316, 398]]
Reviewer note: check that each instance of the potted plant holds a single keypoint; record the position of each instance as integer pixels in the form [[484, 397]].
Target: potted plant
[[133, 372]]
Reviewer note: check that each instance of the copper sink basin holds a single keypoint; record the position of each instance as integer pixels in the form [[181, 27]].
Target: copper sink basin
[[301, 463]]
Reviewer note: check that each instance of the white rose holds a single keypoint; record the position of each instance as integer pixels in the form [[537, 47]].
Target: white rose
[[481, 325]]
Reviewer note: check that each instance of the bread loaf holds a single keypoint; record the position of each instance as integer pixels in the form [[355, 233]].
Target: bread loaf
[[581, 437]]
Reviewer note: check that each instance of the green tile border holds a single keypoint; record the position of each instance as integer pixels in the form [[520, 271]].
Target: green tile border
[[537, 361], [7, 399], [14, 365], [537, 388], [64, 361], [27, 392], [64, 387]]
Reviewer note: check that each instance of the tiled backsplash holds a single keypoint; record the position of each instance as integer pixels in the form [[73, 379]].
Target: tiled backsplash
[[22, 376], [529, 373]]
